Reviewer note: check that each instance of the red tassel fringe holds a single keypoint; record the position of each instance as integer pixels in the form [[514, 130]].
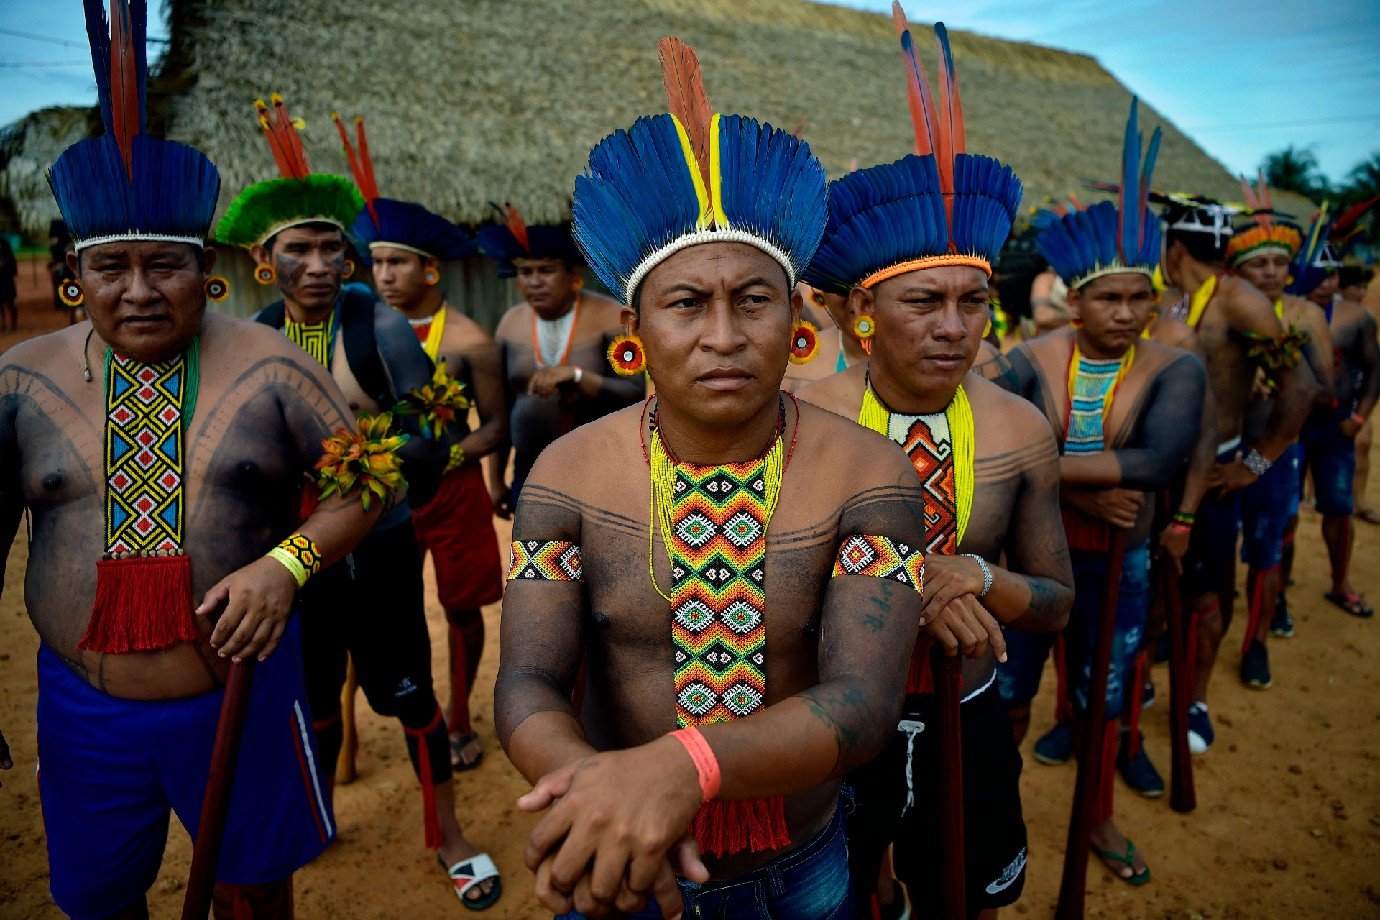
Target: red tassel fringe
[[920, 679], [142, 604], [243, 910], [431, 823], [1102, 804], [758, 825]]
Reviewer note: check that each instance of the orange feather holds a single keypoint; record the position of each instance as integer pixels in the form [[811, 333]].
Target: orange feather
[[124, 84], [686, 97], [517, 227], [917, 89]]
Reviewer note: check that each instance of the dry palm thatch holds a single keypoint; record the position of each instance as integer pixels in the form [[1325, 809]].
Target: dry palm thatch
[[491, 100], [27, 148]]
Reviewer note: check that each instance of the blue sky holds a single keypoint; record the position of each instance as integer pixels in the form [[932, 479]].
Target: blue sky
[[1240, 77]]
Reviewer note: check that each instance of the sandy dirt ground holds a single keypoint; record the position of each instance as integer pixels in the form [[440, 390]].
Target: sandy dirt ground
[[1289, 797]]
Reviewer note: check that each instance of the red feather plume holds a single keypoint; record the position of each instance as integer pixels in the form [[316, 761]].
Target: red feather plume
[[361, 164], [124, 83], [687, 99], [917, 87], [282, 138], [517, 227]]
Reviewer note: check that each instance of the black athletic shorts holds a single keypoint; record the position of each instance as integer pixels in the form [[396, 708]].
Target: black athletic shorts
[[994, 829], [370, 604]]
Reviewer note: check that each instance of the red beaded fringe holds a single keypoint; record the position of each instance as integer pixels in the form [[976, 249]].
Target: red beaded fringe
[[758, 825], [143, 604]]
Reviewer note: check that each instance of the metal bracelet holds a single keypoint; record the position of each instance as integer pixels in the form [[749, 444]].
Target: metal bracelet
[[579, 373], [986, 572], [1255, 462]]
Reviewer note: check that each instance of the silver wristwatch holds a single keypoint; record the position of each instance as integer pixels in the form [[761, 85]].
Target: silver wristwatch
[[1255, 462], [986, 572]]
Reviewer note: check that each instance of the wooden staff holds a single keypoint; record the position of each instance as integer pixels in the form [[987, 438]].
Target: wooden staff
[[210, 831], [1074, 884], [349, 734], [1182, 797], [948, 686]]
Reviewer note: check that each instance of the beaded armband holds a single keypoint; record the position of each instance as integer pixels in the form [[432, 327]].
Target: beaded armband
[[881, 557], [436, 405], [544, 560], [363, 461], [457, 458], [299, 555]]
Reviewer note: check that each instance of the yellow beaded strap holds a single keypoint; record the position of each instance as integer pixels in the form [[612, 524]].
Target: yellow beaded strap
[[299, 555], [1279, 309], [432, 345], [959, 415], [1198, 304]]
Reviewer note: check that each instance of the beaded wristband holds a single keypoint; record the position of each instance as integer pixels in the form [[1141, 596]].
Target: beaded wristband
[[457, 458], [1181, 527], [1185, 517], [1359, 419], [299, 555], [702, 756]]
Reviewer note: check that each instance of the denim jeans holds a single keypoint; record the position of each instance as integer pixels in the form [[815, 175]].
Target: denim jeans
[[1019, 675], [807, 883]]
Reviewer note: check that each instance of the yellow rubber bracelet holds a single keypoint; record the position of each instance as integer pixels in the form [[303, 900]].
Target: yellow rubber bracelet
[[290, 563], [299, 555]]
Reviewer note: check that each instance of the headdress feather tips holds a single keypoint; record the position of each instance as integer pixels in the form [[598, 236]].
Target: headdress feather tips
[[126, 185], [1262, 233], [512, 239], [692, 176], [940, 206], [1106, 239]]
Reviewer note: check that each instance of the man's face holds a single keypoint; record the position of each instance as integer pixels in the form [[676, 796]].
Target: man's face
[[548, 285], [310, 264], [400, 275], [929, 326], [715, 322], [1269, 272], [1322, 294], [1114, 309], [1354, 292], [145, 298]]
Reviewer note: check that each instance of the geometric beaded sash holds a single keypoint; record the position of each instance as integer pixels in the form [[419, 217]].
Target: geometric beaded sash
[[316, 339], [718, 554], [148, 407]]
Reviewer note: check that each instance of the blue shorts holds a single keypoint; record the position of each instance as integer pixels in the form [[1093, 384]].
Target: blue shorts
[[112, 769], [1212, 547], [1267, 507], [807, 883], [1331, 457], [1019, 676]]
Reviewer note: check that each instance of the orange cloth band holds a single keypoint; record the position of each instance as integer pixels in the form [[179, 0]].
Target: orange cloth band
[[706, 764], [915, 265]]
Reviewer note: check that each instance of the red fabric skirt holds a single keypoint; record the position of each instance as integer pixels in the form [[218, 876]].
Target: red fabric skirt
[[457, 528]]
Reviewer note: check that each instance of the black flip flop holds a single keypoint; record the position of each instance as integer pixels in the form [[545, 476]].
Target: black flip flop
[[458, 743]]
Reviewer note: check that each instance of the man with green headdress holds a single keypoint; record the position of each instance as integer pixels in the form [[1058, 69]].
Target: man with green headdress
[[372, 608]]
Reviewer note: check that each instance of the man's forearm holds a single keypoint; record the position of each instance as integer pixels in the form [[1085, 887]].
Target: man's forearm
[[546, 741], [486, 439], [1027, 603], [1090, 471], [1291, 408], [338, 524]]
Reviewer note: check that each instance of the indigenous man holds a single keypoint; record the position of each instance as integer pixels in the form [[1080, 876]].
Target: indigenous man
[[1231, 319], [1261, 252], [1126, 413], [407, 244], [920, 275], [1354, 282], [372, 608], [1329, 436], [719, 508], [188, 435], [553, 348]]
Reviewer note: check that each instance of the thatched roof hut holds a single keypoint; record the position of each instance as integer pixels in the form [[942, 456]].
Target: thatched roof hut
[[491, 100], [27, 148]]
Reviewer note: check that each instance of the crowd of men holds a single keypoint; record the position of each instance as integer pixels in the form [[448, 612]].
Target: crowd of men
[[770, 635]]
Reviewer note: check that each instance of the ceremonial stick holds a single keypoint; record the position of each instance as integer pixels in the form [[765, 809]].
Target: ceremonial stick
[[201, 880], [1074, 884], [349, 735], [948, 686], [1182, 797]]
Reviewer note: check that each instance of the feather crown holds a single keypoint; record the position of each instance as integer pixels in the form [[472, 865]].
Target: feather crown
[[126, 184], [392, 223], [1263, 233], [1316, 258], [1104, 238], [938, 206], [297, 197], [695, 176], [513, 239]]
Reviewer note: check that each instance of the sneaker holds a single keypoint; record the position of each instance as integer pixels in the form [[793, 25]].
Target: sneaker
[[1147, 696], [1255, 666], [1199, 729], [1137, 771], [1282, 625], [1055, 746]]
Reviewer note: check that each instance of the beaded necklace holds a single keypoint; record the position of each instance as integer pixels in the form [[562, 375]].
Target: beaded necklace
[[551, 339], [1092, 388]]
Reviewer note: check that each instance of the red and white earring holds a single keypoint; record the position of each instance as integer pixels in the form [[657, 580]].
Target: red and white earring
[[804, 342], [626, 356]]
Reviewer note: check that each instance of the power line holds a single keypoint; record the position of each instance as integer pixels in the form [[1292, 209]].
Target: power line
[[64, 42], [1333, 120], [17, 65]]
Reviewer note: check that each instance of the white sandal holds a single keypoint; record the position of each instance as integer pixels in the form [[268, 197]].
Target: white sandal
[[468, 873]]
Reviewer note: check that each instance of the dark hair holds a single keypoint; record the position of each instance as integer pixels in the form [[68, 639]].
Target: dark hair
[[321, 226], [1351, 275]]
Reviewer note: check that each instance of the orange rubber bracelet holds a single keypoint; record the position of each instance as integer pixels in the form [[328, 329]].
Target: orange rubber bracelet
[[702, 756]]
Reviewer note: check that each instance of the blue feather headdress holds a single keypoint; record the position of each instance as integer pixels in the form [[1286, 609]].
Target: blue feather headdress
[[513, 240], [1316, 259], [1106, 238], [392, 223], [939, 206], [693, 176], [125, 184]]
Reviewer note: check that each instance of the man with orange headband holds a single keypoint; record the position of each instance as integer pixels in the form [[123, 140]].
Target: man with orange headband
[[915, 269]]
